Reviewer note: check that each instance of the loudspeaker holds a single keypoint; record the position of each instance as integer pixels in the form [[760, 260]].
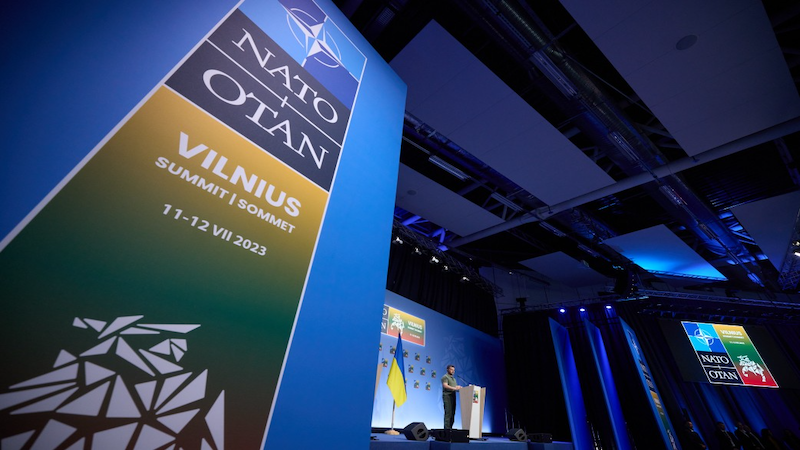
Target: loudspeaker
[[541, 437], [450, 435], [517, 434], [416, 431]]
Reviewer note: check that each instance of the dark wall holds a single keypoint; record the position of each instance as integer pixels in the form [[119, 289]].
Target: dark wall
[[413, 277], [538, 401]]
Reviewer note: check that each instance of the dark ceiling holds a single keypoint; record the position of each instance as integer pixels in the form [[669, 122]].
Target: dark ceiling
[[690, 144]]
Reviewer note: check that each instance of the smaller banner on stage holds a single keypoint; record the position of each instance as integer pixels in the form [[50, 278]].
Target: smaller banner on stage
[[396, 321]]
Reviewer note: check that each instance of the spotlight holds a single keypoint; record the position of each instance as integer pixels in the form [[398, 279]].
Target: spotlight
[[417, 251], [397, 240], [797, 253], [445, 268], [582, 310], [434, 260], [608, 306], [464, 280], [562, 310]]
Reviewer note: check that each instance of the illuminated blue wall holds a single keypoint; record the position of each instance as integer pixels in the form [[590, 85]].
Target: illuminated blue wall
[[477, 356], [609, 385], [571, 385]]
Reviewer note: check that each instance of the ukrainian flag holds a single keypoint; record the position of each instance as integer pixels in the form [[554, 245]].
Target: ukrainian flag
[[397, 376]]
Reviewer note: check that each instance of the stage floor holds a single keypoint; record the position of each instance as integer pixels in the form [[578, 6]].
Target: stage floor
[[389, 442]]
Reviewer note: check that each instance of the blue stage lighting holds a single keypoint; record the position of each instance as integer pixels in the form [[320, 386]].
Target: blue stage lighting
[[562, 310]]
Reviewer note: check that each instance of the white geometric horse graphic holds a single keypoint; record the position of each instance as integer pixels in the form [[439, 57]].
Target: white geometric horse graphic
[[397, 322], [753, 367], [86, 401]]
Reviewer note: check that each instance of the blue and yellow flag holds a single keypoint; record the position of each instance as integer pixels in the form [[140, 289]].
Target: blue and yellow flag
[[397, 376]]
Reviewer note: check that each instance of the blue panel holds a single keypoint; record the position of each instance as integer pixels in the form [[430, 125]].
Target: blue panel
[[570, 383], [72, 71], [329, 375], [657, 249], [609, 386], [703, 337]]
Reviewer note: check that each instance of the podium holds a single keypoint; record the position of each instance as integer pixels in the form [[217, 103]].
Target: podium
[[472, 399]]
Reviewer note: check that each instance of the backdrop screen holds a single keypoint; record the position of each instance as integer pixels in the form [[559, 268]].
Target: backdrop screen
[[431, 341], [729, 354]]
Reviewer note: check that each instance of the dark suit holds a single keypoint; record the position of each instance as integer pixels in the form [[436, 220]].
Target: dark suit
[[749, 440], [693, 440], [727, 440]]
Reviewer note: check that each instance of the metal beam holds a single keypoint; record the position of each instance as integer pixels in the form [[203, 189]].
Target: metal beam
[[543, 213]]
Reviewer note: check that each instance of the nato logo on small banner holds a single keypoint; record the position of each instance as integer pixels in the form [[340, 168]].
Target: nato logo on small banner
[[703, 337]]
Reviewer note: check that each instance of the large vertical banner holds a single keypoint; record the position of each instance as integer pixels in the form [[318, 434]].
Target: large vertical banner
[[608, 386], [649, 385], [571, 386], [150, 302]]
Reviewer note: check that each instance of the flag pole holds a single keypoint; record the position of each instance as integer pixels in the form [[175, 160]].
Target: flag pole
[[392, 431]]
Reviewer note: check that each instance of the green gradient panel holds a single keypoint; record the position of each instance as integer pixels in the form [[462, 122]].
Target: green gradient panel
[[103, 248], [751, 367]]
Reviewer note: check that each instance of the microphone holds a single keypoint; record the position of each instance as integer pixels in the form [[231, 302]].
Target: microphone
[[462, 379]]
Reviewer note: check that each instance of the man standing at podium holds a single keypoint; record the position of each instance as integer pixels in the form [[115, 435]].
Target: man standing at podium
[[449, 388]]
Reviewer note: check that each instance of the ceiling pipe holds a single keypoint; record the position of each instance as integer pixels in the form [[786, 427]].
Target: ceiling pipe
[[543, 213]]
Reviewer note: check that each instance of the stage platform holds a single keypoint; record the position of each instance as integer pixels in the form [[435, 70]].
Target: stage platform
[[388, 442]]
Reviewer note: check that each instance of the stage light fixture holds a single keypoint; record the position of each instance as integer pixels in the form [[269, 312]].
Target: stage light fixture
[[543, 62], [552, 229], [582, 310], [445, 268], [417, 251], [505, 201], [464, 280], [589, 251], [623, 145], [434, 260], [755, 279], [562, 310], [397, 240], [447, 167], [608, 306], [673, 195], [797, 253]]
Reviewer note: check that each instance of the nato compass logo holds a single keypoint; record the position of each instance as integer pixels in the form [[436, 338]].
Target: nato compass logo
[[128, 389], [704, 338], [329, 55]]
